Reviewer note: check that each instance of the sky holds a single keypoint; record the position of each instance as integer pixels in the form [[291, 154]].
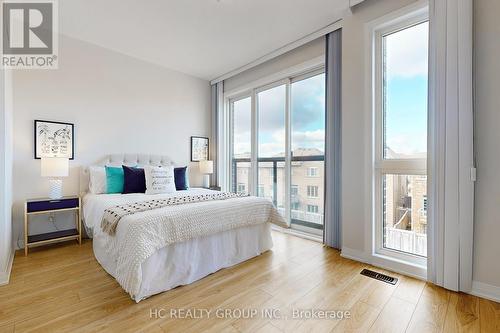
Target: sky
[[406, 90], [405, 108], [308, 118]]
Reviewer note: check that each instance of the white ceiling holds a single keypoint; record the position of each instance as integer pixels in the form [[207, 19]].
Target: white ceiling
[[203, 38]]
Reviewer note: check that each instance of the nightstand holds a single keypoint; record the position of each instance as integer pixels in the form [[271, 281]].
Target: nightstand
[[47, 206]]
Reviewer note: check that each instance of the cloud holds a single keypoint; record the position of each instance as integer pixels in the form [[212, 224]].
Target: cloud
[[300, 139], [309, 136], [308, 118], [308, 103], [407, 52], [408, 144], [308, 107], [242, 143], [271, 107]]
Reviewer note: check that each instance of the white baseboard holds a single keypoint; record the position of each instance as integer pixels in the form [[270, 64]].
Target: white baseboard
[[386, 263], [354, 255], [485, 290], [5, 274]]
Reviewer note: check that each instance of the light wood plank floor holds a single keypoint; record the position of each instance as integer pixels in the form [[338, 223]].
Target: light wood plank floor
[[63, 288]]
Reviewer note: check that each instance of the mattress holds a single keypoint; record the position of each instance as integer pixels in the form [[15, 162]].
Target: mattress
[[180, 263]]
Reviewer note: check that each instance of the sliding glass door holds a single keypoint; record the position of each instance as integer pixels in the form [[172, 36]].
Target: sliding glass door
[[241, 147], [277, 143], [308, 152], [271, 132]]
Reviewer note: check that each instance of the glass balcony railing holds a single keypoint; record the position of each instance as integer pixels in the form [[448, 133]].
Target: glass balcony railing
[[307, 186]]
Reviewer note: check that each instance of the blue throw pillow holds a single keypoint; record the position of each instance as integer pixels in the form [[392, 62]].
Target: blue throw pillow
[[114, 179], [181, 178], [134, 180]]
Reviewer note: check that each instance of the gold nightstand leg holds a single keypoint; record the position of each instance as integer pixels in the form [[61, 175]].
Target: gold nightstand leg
[[25, 229], [79, 222]]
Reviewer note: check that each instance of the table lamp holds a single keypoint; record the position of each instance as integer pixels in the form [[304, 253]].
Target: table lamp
[[55, 168], [206, 168]]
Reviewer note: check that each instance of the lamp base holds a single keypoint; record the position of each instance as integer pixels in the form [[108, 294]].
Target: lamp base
[[206, 181], [55, 188]]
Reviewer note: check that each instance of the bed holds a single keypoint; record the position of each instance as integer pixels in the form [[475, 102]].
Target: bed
[[148, 258]]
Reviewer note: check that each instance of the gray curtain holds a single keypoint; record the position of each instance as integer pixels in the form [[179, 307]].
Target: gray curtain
[[217, 101], [213, 136], [333, 143]]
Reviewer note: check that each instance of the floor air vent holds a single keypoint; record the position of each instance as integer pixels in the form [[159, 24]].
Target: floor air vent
[[379, 276]]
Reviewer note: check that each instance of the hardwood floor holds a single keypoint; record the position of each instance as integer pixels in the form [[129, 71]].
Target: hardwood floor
[[63, 288]]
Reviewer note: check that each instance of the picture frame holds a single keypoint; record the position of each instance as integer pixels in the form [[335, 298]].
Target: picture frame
[[54, 139], [200, 150]]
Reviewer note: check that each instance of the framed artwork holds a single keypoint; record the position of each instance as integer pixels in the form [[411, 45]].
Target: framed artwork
[[54, 139], [199, 149]]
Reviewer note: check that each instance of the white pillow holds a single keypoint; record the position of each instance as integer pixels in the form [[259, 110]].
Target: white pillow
[[97, 180], [159, 179]]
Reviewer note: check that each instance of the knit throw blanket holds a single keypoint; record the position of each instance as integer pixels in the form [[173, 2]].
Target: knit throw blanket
[[113, 215]]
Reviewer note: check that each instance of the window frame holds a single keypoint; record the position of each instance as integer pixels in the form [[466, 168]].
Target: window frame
[[230, 108], [381, 165], [240, 185], [261, 190], [314, 193], [314, 174], [316, 210]]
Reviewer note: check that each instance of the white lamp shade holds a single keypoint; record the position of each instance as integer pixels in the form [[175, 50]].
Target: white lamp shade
[[206, 167], [55, 167]]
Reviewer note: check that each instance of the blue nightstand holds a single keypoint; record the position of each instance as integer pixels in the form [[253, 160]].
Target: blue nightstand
[[47, 206]]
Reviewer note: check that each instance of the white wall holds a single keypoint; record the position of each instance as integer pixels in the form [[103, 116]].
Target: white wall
[[5, 174], [118, 104], [487, 139], [354, 159]]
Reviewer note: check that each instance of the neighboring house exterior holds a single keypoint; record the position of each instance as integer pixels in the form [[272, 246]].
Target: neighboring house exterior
[[307, 183], [405, 211]]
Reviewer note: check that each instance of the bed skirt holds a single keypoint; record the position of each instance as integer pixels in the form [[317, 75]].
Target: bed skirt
[[184, 263]]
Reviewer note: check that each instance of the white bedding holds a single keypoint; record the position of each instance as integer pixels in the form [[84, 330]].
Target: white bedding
[[176, 264], [95, 204]]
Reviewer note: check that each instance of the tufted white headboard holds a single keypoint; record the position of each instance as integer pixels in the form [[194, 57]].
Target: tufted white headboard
[[123, 159]]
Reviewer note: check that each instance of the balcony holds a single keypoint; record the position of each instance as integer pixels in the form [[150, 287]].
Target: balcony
[[406, 241], [271, 185]]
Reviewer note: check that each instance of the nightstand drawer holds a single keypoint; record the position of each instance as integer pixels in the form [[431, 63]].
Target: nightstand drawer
[[43, 205]]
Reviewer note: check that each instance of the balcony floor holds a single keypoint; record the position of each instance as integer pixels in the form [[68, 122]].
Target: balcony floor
[[63, 288]]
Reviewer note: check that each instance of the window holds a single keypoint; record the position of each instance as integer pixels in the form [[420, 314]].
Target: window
[[271, 112], [404, 224], [242, 188], [278, 134], [312, 191], [312, 172], [261, 192], [312, 209], [308, 148], [242, 143], [401, 139]]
